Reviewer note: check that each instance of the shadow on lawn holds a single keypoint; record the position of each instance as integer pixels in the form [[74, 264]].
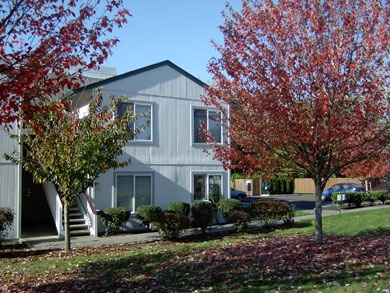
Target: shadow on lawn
[[249, 265], [211, 235], [378, 231], [19, 250], [262, 264]]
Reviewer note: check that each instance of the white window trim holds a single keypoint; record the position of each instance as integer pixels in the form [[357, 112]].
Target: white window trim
[[193, 108], [142, 103], [134, 174], [208, 173]]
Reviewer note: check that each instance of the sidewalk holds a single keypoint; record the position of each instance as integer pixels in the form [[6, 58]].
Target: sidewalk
[[88, 241]]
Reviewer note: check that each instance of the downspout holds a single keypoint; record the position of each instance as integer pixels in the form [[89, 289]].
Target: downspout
[[19, 172], [229, 143]]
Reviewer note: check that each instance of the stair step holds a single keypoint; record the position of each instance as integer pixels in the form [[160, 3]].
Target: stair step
[[78, 227], [79, 233], [76, 215], [76, 221]]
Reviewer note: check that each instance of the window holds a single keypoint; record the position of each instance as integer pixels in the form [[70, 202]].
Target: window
[[133, 190], [211, 120], [146, 133], [205, 185]]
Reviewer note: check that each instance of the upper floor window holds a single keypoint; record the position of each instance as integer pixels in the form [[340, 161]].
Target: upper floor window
[[146, 134], [212, 121]]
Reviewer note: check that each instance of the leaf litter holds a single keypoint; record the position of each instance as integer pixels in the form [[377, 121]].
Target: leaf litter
[[294, 262]]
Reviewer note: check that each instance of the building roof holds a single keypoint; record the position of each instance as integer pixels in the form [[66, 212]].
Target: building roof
[[138, 71]]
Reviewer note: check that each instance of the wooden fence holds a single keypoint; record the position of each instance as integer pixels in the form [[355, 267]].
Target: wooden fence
[[302, 185], [306, 185], [242, 184]]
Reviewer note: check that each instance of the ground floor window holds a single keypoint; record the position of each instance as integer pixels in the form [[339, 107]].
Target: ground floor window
[[205, 185], [133, 190]]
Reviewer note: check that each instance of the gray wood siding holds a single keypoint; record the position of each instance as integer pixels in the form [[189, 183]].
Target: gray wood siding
[[172, 96], [171, 158], [9, 181], [162, 82]]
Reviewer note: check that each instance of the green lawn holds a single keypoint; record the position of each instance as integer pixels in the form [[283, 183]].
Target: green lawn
[[355, 257], [352, 223]]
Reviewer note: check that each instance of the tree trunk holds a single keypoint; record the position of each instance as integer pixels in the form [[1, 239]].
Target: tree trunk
[[318, 211], [67, 229]]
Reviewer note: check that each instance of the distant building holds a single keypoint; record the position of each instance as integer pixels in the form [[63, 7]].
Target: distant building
[[95, 75]]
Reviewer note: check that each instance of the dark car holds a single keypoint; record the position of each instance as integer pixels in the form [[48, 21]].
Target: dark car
[[237, 194], [383, 186], [341, 187]]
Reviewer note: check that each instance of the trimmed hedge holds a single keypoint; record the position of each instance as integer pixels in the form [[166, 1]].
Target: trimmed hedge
[[171, 224], [239, 218], [381, 195], [148, 214], [228, 205], [357, 198], [231, 209], [180, 207], [202, 214], [270, 211], [113, 218], [6, 219]]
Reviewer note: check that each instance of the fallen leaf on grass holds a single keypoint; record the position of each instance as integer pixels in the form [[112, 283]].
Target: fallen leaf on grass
[[289, 259]]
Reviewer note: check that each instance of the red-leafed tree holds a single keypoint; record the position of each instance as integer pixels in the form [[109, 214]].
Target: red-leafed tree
[[41, 41], [304, 86]]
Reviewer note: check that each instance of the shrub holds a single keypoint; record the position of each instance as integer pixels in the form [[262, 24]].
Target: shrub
[[275, 186], [228, 205], [147, 214], [371, 197], [290, 215], [239, 218], [282, 185], [6, 219], [113, 218], [171, 224], [352, 198], [381, 195], [202, 214], [356, 198], [215, 198], [270, 210], [335, 196], [180, 207]]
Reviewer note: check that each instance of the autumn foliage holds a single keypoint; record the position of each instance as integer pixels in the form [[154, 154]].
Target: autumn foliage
[[71, 152], [268, 264], [303, 86], [44, 45]]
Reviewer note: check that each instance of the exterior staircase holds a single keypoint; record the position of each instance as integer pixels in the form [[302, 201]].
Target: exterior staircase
[[77, 223]]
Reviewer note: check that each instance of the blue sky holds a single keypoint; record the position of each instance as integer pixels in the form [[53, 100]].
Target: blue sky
[[177, 30]]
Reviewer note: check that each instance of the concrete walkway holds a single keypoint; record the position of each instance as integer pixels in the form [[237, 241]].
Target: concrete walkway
[[49, 243]]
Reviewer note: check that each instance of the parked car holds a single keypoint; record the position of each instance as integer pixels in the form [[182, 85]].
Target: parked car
[[341, 187], [383, 186], [237, 194]]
